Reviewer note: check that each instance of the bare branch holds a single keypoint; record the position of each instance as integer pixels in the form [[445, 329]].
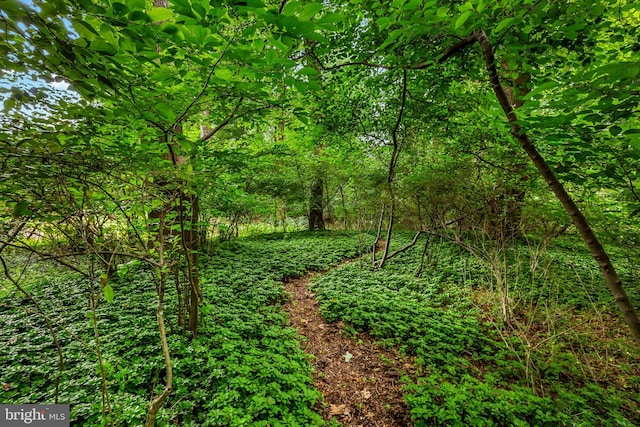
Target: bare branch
[[204, 86], [41, 254], [12, 235], [458, 47], [224, 122]]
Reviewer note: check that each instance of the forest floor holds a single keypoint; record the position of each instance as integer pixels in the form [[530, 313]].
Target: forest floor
[[328, 357], [360, 380]]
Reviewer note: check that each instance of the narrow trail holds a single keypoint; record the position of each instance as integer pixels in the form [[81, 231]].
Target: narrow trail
[[360, 381]]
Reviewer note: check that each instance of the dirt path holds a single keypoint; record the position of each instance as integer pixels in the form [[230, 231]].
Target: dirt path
[[359, 380]]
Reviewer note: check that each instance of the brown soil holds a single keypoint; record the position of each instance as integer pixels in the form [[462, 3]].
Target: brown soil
[[359, 380]]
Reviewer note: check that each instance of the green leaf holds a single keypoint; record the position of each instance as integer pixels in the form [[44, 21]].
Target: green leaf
[[108, 292], [309, 10], [158, 14], [330, 18], [384, 22], [392, 37], [412, 5], [301, 86], [504, 24], [184, 142], [85, 29], [308, 71], [119, 8], [21, 209], [162, 74], [279, 44], [462, 19], [304, 119], [291, 8], [224, 73], [615, 130], [541, 88], [597, 10], [9, 104], [102, 46], [315, 37], [258, 44], [138, 15], [136, 4]]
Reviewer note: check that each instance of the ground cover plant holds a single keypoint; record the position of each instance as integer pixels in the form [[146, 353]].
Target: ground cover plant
[[555, 362], [245, 367]]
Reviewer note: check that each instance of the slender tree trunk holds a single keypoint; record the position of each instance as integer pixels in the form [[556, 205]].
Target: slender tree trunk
[[345, 220], [378, 234], [597, 251], [392, 214], [423, 256], [191, 242], [157, 402], [316, 205], [392, 167]]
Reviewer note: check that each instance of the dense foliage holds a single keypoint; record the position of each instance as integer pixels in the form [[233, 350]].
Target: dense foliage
[[538, 370], [246, 366]]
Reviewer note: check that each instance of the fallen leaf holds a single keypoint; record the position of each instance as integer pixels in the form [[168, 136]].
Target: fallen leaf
[[338, 410]]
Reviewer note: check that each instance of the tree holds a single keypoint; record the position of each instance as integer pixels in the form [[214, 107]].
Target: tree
[[528, 36]]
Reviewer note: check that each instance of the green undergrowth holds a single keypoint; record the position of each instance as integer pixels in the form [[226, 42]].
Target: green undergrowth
[[546, 366], [245, 368]]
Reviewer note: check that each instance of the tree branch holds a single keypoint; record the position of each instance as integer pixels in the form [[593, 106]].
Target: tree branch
[[204, 86], [394, 133], [458, 47], [44, 255], [12, 235], [224, 122], [407, 246]]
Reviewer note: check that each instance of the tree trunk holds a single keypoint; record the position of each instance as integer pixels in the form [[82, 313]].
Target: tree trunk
[[377, 240], [194, 247], [392, 215], [157, 402], [392, 167], [316, 205], [423, 256], [190, 239], [597, 251], [345, 219]]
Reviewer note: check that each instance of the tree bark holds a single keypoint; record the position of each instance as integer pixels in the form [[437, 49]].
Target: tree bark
[[423, 256], [392, 167], [316, 205], [407, 246], [597, 251], [157, 402], [377, 240], [194, 275], [392, 215]]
